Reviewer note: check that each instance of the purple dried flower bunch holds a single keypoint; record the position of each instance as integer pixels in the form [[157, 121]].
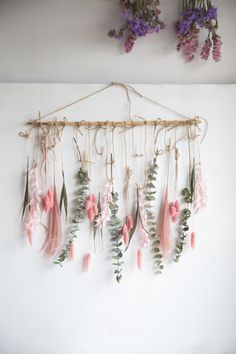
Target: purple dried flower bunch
[[141, 18], [195, 16]]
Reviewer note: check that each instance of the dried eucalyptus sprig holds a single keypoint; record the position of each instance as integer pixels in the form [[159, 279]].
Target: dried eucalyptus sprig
[[115, 231], [183, 232], [150, 191], [78, 217]]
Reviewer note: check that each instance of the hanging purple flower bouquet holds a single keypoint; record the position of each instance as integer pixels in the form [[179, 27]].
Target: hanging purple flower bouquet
[[197, 15], [141, 18]]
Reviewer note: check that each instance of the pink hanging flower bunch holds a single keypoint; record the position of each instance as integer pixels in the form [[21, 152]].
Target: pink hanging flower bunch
[[32, 219], [141, 18], [91, 207], [174, 210], [195, 16], [127, 227]]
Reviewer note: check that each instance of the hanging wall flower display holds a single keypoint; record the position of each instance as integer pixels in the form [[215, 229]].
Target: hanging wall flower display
[[145, 214], [198, 15], [141, 18]]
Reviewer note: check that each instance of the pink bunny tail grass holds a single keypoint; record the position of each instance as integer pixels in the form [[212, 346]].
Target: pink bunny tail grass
[[90, 214], [174, 211], [87, 262], [139, 259], [193, 240], [30, 236], [52, 243], [91, 207], [72, 252], [201, 198], [130, 222], [165, 228], [92, 198]]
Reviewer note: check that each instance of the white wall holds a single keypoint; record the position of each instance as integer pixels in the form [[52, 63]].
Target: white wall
[[66, 41], [190, 309]]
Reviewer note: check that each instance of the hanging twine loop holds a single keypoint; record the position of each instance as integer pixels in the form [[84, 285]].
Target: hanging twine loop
[[129, 90]]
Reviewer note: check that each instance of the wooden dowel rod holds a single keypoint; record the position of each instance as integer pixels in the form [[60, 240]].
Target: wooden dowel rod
[[133, 123]]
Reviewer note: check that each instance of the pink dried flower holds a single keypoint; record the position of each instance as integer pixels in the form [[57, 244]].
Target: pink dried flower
[[130, 42], [90, 214], [201, 197], [53, 239], [92, 198], [217, 44], [193, 240], [129, 222], [87, 261], [105, 214], [206, 49], [88, 205], [32, 219], [177, 206], [30, 236], [139, 259], [124, 229], [91, 207], [48, 201], [126, 237]]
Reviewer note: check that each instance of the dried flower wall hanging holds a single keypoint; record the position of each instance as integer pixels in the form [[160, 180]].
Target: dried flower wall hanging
[[141, 18], [143, 217], [197, 15]]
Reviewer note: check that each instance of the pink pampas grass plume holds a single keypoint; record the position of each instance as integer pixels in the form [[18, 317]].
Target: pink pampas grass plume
[[139, 259], [165, 229], [52, 243], [87, 261]]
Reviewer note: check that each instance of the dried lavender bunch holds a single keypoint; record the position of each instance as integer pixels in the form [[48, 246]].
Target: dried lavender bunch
[[141, 18], [195, 16]]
